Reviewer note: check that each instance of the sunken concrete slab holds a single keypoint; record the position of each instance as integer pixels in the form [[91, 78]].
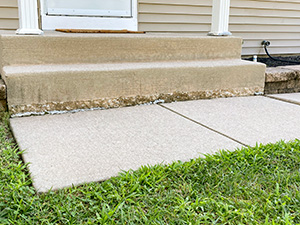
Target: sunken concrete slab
[[93, 146], [292, 97], [246, 119]]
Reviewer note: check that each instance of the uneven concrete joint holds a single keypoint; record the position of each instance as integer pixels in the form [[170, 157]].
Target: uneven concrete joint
[[107, 103]]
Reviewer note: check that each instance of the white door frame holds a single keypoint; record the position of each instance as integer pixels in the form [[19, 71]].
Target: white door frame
[[81, 22]]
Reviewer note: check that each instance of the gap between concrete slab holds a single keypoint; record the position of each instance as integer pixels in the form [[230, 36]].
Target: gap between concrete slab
[[203, 125], [283, 100]]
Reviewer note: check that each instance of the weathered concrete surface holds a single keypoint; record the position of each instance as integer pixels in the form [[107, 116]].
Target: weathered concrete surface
[[59, 71], [32, 86], [108, 103], [92, 146], [292, 67], [292, 98], [247, 119], [62, 48]]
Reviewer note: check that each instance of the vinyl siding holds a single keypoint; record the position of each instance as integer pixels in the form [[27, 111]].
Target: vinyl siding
[[9, 15], [275, 20], [175, 16], [254, 20]]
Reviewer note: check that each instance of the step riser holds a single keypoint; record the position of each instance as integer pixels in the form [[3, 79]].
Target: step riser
[[30, 50], [47, 91]]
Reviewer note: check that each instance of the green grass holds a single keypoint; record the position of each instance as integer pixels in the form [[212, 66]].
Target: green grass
[[249, 186]]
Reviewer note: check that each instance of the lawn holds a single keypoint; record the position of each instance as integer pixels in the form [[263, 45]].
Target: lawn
[[257, 185]]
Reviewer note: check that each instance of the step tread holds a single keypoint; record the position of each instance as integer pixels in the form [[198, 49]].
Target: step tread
[[63, 48], [24, 69]]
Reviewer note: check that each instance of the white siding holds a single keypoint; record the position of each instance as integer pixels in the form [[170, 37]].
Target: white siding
[[9, 15], [275, 20], [175, 16], [255, 20]]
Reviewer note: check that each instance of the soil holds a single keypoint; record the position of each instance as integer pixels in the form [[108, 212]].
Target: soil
[[272, 63]]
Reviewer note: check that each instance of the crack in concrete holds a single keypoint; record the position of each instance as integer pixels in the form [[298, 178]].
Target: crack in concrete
[[205, 126]]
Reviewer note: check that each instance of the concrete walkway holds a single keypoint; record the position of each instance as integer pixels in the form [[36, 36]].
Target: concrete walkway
[[92, 146]]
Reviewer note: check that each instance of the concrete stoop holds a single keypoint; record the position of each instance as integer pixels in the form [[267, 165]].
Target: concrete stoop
[[74, 71]]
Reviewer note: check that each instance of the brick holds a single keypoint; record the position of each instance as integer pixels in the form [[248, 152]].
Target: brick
[[269, 91], [279, 74], [276, 85], [291, 84], [297, 83]]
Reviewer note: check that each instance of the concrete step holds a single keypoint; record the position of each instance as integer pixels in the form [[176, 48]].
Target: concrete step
[[39, 88], [61, 48]]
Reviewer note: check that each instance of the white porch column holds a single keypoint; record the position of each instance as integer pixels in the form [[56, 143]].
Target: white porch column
[[28, 17], [220, 18]]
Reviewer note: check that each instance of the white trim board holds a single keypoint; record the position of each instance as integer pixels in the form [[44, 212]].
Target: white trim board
[[52, 22]]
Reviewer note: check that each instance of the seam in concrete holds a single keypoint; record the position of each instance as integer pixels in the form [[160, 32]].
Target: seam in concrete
[[203, 125], [283, 100]]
